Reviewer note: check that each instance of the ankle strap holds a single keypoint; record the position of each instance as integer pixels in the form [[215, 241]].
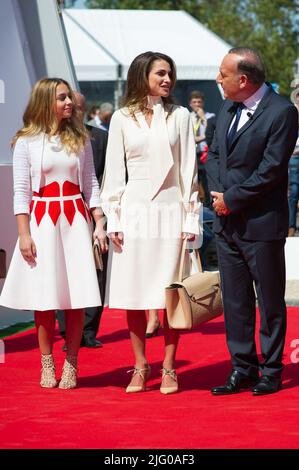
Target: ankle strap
[[138, 371], [170, 372]]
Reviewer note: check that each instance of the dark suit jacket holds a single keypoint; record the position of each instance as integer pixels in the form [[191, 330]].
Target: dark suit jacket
[[253, 174], [211, 126], [98, 139]]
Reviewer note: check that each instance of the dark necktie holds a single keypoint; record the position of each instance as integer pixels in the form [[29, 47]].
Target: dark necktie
[[233, 130]]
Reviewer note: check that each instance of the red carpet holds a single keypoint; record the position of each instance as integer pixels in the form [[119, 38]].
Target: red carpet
[[99, 414]]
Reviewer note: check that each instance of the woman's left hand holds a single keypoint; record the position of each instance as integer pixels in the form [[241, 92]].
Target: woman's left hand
[[100, 234], [190, 236]]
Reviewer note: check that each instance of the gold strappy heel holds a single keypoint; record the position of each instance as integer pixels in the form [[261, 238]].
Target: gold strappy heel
[[48, 379], [69, 373], [172, 374], [144, 374]]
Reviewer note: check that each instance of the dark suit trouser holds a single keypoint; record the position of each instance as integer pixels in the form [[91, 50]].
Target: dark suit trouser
[[241, 264], [92, 314]]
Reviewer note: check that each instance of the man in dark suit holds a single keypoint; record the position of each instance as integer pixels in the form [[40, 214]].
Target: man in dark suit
[[247, 169], [211, 126], [98, 139]]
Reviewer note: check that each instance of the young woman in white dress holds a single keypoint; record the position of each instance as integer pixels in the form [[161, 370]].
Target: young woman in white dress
[[53, 266], [148, 196]]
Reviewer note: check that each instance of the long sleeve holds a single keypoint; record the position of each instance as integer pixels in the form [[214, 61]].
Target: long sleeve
[[21, 177], [211, 126], [189, 189], [99, 140], [114, 179], [212, 166], [273, 166], [91, 190]]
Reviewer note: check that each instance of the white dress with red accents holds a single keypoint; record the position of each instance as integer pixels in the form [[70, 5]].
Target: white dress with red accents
[[64, 275]]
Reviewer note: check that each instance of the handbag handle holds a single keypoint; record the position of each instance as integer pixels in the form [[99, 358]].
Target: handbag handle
[[198, 260], [182, 259]]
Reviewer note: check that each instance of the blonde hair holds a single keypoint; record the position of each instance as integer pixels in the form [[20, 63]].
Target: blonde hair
[[40, 116]]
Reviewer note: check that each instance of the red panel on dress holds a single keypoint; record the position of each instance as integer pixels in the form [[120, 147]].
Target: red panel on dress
[[70, 189], [81, 207], [69, 210], [54, 211], [50, 190], [39, 211], [31, 206]]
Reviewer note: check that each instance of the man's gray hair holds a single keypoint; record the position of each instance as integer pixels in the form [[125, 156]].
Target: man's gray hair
[[106, 108], [251, 64]]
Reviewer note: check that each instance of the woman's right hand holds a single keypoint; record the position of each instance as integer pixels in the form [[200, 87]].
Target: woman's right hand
[[100, 234], [27, 248], [117, 239]]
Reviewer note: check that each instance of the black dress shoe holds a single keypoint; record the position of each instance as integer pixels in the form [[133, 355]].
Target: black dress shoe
[[267, 384], [92, 343], [235, 383]]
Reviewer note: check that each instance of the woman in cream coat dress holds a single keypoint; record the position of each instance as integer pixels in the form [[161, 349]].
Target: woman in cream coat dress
[[150, 205]]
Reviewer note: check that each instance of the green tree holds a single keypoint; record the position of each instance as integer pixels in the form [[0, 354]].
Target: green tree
[[270, 26]]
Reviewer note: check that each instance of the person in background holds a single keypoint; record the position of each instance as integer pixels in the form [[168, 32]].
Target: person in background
[[153, 210], [208, 212], [208, 235], [92, 112], [53, 265], [103, 117], [247, 169], [200, 121], [92, 318]]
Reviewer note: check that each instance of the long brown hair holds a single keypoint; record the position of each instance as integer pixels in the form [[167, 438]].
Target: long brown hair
[[137, 88], [40, 116]]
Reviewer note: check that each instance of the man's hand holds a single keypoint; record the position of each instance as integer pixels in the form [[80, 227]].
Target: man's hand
[[219, 204]]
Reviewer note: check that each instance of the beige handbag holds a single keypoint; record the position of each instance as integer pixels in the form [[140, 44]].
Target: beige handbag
[[195, 299]]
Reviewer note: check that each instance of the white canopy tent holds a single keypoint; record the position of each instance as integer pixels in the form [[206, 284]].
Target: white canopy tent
[[103, 43]]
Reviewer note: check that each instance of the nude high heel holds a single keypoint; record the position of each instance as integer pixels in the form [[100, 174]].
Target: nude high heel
[[144, 374], [48, 379]]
